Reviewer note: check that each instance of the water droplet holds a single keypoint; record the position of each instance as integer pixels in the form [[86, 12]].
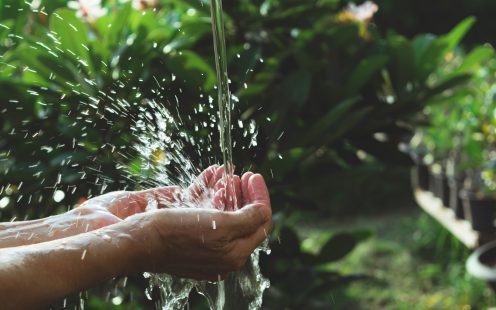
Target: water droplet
[[4, 202], [58, 196]]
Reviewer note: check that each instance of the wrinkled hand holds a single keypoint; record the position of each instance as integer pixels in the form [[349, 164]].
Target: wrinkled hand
[[198, 240], [204, 243], [114, 207]]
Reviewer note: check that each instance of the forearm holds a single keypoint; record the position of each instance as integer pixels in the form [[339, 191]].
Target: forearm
[[42, 230], [96, 213], [49, 271]]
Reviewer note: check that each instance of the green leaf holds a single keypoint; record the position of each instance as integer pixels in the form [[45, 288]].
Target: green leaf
[[118, 26], [476, 58], [347, 124], [73, 36], [289, 245], [421, 44], [363, 72], [453, 38], [341, 244], [432, 51], [192, 68], [294, 89], [402, 62], [325, 123], [447, 84]]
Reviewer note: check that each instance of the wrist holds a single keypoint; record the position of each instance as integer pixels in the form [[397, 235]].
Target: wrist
[[137, 243]]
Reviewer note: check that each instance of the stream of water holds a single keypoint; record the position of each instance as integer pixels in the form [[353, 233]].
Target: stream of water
[[224, 102]]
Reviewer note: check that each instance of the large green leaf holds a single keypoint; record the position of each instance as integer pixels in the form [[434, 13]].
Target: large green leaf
[[190, 67], [294, 89], [402, 63], [347, 124], [476, 58], [330, 119], [363, 72], [340, 245], [432, 51], [73, 35], [448, 84], [453, 38]]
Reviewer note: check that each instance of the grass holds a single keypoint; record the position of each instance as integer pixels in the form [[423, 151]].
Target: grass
[[414, 264]]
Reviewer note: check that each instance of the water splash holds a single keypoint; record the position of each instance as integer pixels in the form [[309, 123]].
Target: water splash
[[170, 151]]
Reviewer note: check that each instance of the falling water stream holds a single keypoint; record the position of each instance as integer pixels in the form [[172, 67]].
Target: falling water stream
[[224, 102]]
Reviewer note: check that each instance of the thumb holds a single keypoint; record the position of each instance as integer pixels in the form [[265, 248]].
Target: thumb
[[246, 221], [257, 190]]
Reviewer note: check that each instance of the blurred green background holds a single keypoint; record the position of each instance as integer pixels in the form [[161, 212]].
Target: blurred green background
[[335, 92]]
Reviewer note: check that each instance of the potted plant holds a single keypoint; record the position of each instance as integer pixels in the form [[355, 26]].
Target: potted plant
[[479, 201], [419, 155], [455, 175], [437, 139], [478, 124]]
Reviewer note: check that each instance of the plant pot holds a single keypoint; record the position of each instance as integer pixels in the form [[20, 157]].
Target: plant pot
[[480, 212], [420, 177], [440, 188], [482, 263], [455, 201]]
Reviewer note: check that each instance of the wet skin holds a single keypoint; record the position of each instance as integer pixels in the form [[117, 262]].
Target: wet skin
[[112, 235]]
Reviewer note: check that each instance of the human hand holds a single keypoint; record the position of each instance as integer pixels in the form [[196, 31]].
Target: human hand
[[113, 207], [202, 243], [116, 206]]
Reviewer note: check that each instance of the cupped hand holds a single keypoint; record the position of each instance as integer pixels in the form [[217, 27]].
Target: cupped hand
[[113, 207], [203, 243]]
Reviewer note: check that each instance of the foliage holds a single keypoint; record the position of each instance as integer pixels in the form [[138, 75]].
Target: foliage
[[411, 17], [328, 86], [350, 93], [463, 131]]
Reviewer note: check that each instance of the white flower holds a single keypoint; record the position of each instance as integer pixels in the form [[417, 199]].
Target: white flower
[[88, 9], [34, 5], [144, 4], [363, 12]]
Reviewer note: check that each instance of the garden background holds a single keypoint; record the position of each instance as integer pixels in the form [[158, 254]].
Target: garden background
[[336, 94]]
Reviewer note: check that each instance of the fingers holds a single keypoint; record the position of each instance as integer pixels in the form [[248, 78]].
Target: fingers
[[218, 174], [230, 203], [244, 187], [204, 180], [237, 191], [167, 197], [129, 203], [219, 200]]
